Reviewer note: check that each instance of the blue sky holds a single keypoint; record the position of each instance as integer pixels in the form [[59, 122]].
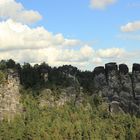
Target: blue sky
[[108, 30], [75, 19]]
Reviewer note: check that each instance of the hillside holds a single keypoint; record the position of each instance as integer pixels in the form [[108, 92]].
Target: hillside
[[45, 103]]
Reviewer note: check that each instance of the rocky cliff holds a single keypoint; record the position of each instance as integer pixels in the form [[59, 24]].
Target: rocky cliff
[[119, 87], [9, 95]]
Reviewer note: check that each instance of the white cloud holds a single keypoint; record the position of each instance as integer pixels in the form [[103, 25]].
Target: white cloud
[[111, 53], [35, 45], [101, 4], [22, 43], [16, 11], [97, 61], [131, 27], [87, 51], [14, 35]]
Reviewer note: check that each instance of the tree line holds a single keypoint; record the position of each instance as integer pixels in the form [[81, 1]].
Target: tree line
[[34, 76]]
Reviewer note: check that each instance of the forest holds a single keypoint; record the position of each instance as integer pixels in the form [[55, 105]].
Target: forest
[[89, 120], [33, 76]]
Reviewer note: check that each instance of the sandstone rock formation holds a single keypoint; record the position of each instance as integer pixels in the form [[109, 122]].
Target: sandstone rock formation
[[118, 85], [9, 96], [59, 97]]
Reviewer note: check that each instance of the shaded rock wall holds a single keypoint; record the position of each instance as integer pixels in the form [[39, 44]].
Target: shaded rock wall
[[116, 83]]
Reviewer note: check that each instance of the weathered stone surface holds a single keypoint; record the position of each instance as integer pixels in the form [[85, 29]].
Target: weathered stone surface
[[112, 76], [115, 107], [119, 86], [59, 98], [136, 80], [123, 68], [10, 96], [111, 66], [100, 82], [99, 70], [136, 67]]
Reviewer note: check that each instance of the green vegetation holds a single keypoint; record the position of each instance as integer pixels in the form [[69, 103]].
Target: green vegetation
[[2, 77], [68, 122], [33, 76], [90, 120]]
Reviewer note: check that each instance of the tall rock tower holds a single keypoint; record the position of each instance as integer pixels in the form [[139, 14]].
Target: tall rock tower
[[9, 95]]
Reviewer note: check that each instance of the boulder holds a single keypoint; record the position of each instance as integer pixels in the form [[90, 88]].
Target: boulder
[[114, 107]]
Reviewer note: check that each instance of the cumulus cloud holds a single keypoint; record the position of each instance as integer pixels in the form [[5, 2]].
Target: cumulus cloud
[[52, 56], [23, 43], [101, 4], [35, 45], [131, 27], [111, 52], [16, 11], [15, 35], [87, 51]]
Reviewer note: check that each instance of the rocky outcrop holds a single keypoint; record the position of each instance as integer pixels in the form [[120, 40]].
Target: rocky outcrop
[[59, 98], [9, 96], [100, 81], [136, 80], [113, 80], [119, 86]]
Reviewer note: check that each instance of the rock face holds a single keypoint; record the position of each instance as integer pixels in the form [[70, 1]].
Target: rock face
[[136, 80], [119, 86], [73, 92], [48, 98], [9, 96], [100, 81]]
